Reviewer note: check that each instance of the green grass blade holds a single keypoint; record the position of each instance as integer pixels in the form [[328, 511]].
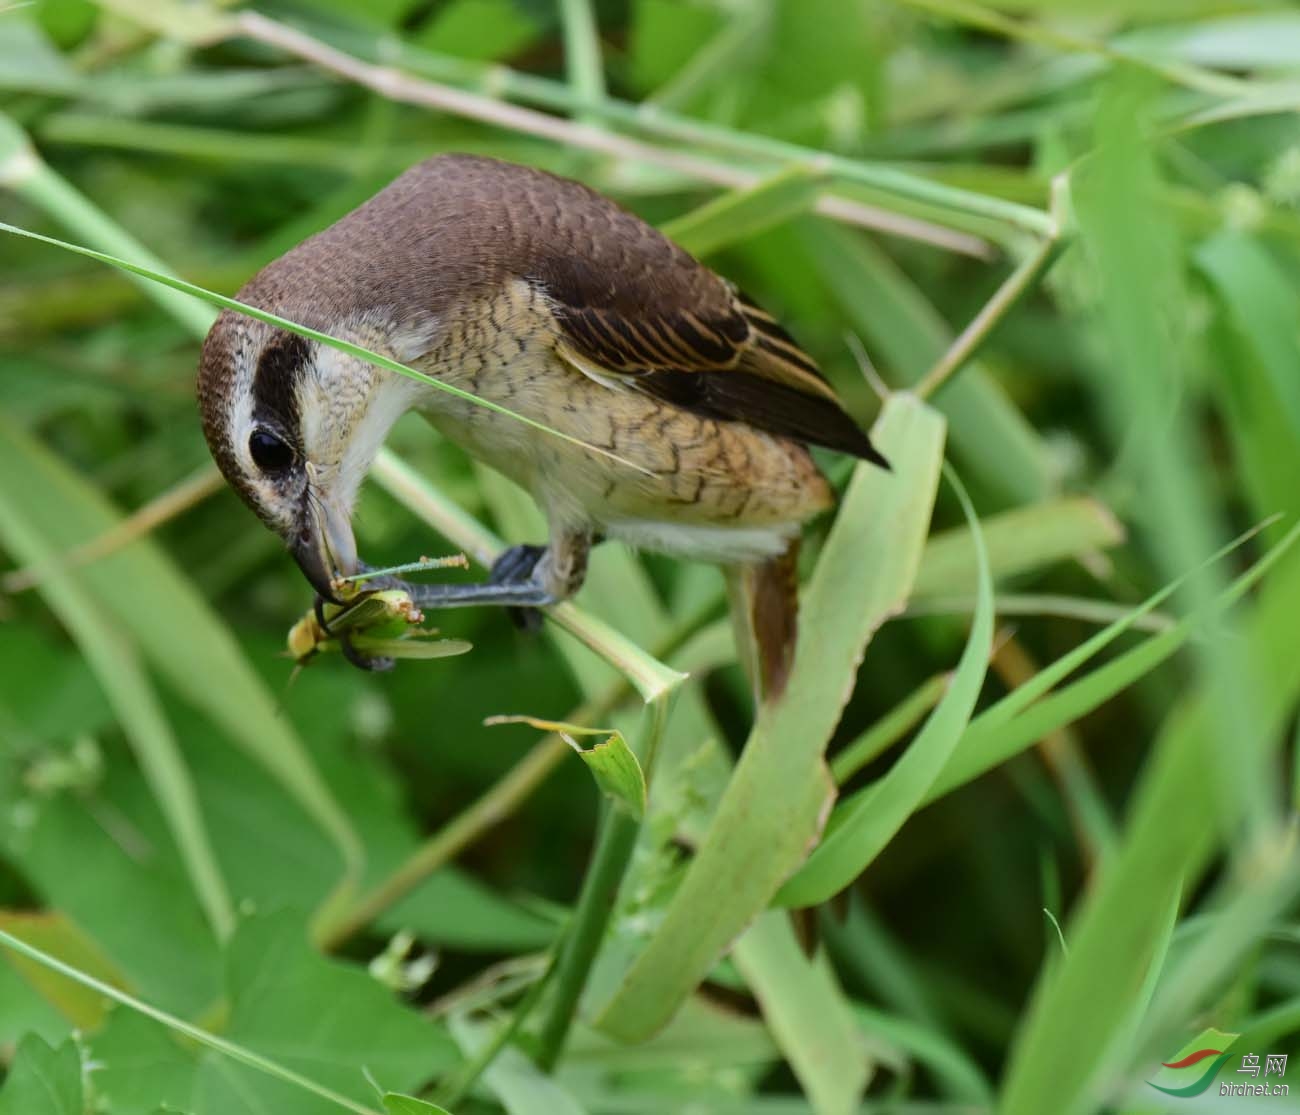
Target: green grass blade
[[807, 1013], [1016, 722], [1019, 541], [775, 802], [861, 827], [378, 359], [1169, 837], [1260, 300], [23, 172], [889, 729], [582, 58], [1043, 681], [126, 686], [514, 1080]]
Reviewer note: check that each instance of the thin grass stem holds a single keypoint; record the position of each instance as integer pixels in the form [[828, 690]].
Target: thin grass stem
[[398, 86], [582, 59], [1013, 288], [179, 498], [180, 1026]]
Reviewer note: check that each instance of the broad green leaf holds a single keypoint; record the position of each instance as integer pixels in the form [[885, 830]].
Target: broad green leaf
[[120, 674], [25, 1011], [43, 1080], [860, 828], [150, 600], [807, 1012], [287, 1007], [395, 1104], [776, 801], [135, 906], [610, 760], [326, 1019], [56, 934]]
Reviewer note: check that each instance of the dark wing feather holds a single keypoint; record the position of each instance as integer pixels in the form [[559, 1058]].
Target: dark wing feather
[[734, 363]]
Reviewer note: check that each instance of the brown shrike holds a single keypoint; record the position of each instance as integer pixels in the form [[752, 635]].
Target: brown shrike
[[541, 295]]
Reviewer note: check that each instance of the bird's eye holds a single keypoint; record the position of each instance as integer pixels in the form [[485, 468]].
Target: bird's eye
[[270, 453]]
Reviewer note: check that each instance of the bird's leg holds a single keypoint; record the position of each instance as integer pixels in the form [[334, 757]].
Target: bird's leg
[[523, 577]]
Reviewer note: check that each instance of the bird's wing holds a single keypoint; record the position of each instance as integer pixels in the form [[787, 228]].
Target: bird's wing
[[706, 349]]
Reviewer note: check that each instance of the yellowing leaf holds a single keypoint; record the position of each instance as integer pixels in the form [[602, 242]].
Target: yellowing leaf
[[611, 762]]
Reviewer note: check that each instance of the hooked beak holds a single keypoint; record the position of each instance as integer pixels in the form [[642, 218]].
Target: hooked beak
[[325, 548]]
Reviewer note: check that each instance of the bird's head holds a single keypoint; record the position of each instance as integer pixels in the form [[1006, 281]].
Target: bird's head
[[294, 426]]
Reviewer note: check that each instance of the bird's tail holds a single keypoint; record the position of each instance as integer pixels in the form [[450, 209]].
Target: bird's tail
[[765, 612]]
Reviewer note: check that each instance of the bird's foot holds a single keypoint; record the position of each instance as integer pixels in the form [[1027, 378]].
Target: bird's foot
[[516, 566]]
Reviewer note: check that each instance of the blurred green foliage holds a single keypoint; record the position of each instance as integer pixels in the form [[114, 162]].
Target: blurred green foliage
[[181, 820]]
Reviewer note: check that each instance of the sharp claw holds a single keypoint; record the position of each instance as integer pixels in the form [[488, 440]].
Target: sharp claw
[[527, 620], [515, 564]]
